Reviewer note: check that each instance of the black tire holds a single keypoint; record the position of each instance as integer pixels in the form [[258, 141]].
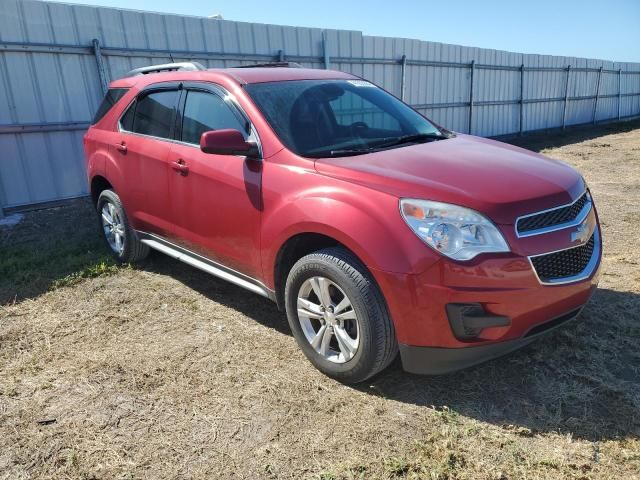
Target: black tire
[[377, 346], [132, 250]]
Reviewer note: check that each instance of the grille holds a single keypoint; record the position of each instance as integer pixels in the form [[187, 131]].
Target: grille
[[553, 217], [566, 263]]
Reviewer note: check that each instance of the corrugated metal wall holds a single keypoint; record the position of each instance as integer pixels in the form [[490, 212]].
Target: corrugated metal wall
[[50, 83]]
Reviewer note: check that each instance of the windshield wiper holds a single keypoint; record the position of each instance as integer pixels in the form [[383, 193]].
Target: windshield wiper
[[411, 139], [384, 143], [344, 152]]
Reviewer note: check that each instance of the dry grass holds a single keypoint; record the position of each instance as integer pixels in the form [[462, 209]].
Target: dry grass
[[160, 371]]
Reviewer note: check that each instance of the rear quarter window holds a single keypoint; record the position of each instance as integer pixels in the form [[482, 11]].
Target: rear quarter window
[[110, 99]]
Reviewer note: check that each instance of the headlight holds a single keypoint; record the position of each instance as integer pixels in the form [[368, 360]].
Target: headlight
[[457, 232]]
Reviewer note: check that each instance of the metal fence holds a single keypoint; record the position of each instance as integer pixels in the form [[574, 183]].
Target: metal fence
[[56, 61]]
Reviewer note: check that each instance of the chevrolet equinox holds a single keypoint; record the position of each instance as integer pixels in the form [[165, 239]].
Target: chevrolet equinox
[[375, 229]]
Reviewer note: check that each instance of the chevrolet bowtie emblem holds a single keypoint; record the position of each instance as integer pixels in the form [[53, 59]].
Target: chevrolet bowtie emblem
[[581, 234]]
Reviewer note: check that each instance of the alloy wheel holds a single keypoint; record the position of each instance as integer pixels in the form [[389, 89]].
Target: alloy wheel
[[328, 319], [113, 227]]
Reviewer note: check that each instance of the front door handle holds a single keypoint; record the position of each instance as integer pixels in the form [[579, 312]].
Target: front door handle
[[181, 167], [121, 147]]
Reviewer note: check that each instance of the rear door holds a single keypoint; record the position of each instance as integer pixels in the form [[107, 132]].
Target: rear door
[[145, 138], [215, 199]]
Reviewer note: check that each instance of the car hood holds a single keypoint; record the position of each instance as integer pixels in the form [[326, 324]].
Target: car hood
[[499, 180]]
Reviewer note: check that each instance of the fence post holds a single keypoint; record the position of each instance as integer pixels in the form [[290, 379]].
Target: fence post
[[521, 98], [1, 199], [325, 48], [566, 98], [403, 80], [104, 83], [595, 103], [619, 91], [473, 68], [281, 55]]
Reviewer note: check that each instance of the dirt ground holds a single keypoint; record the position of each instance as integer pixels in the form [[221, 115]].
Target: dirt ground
[[161, 371]]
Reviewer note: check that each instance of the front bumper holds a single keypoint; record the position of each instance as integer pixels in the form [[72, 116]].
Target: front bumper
[[505, 286]]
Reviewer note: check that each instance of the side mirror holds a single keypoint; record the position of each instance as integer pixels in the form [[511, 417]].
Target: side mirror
[[227, 142]]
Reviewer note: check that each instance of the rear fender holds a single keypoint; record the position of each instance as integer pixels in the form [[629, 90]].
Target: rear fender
[[96, 164]]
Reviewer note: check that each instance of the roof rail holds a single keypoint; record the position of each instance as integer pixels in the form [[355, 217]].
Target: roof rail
[[167, 67], [271, 64]]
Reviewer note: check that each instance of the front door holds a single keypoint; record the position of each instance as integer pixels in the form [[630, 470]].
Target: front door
[[215, 199]]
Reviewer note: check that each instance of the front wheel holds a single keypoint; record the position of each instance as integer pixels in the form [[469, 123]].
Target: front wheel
[[338, 316]]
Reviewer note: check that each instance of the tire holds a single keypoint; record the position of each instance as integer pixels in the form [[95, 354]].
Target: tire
[[111, 215], [371, 344]]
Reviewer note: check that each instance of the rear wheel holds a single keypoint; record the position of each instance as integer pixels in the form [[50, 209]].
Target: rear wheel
[[119, 235], [338, 316]]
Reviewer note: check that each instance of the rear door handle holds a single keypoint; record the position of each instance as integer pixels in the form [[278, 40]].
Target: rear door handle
[[181, 167], [122, 147]]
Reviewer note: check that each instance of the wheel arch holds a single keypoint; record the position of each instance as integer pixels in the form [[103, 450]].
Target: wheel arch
[[297, 246], [292, 250], [99, 184]]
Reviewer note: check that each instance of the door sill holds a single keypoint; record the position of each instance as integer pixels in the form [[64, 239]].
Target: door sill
[[206, 264]]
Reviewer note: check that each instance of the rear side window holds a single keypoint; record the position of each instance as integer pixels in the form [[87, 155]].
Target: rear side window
[[153, 114], [109, 100], [207, 111]]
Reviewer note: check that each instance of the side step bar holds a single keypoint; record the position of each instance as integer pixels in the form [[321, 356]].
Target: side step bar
[[206, 265]]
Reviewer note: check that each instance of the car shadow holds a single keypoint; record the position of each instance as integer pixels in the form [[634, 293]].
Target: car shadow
[[582, 379], [254, 306]]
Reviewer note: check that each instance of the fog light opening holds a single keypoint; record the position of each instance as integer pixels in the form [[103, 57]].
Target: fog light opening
[[468, 320]]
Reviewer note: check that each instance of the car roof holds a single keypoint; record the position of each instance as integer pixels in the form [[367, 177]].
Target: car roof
[[279, 74], [241, 75]]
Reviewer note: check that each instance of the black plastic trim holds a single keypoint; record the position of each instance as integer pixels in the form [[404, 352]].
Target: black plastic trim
[[439, 361], [467, 320]]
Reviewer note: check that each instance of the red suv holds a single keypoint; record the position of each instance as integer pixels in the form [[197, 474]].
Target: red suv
[[375, 229]]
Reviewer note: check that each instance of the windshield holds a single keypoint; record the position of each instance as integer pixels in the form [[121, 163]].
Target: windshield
[[316, 118]]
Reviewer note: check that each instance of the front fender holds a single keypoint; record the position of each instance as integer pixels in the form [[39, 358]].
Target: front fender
[[365, 221]]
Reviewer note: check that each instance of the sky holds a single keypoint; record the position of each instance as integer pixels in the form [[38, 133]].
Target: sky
[[601, 29]]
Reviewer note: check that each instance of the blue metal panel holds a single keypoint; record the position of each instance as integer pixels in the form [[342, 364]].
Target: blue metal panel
[[60, 86]]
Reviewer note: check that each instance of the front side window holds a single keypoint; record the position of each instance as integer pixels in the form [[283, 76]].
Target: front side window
[[318, 118], [152, 114], [204, 112]]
